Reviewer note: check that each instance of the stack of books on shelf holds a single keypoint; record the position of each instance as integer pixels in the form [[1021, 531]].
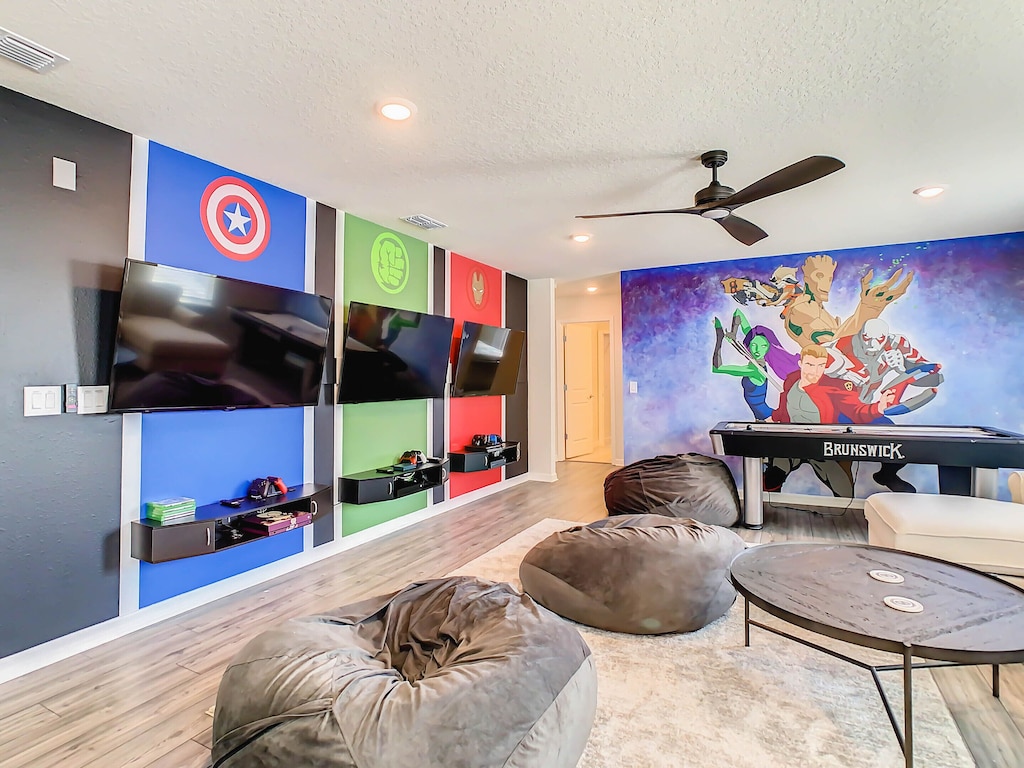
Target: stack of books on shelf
[[275, 521], [169, 510]]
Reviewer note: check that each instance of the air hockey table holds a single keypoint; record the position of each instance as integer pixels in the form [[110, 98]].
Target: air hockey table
[[967, 457]]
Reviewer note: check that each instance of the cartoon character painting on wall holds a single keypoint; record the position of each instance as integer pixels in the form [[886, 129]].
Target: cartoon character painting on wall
[[766, 362], [852, 370]]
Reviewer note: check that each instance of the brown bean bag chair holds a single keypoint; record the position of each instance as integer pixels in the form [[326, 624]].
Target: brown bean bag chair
[[448, 673], [685, 485], [643, 574]]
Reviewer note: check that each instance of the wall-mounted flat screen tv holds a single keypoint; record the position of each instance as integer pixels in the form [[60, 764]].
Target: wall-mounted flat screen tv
[[393, 354], [189, 340], [488, 362]]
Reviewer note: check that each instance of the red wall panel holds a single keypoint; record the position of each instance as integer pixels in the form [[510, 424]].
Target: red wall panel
[[475, 295]]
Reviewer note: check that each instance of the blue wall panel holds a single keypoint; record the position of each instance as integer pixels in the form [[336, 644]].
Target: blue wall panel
[[210, 455], [174, 222]]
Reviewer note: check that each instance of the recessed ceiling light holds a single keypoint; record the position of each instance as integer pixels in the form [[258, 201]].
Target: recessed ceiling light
[[929, 191], [397, 109], [591, 289], [581, 238]]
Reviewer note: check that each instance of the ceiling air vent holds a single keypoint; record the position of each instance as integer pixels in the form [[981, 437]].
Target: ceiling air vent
[[425, 221], [28, 54]]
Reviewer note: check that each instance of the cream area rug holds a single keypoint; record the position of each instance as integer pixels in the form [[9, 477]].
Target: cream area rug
[[703, 699]]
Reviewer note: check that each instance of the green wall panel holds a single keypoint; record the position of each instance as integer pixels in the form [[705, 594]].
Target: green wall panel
[[384, 267], [375, 435], [387, 268]]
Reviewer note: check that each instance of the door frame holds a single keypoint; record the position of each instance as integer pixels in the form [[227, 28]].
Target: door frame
[[560, 380]]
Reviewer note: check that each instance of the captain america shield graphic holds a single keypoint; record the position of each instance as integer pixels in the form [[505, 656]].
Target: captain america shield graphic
[[235, 218]]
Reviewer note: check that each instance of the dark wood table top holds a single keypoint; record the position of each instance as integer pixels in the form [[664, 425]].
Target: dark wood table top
[[968, 616]]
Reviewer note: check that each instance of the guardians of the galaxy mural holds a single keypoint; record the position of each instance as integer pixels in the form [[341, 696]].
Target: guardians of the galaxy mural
[[902, 334]]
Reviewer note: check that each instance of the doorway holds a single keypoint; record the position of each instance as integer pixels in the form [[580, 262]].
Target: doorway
[[587, 392]]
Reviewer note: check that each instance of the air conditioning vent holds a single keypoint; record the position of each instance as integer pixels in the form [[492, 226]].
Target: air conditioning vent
[[425, 221], [32, 55]]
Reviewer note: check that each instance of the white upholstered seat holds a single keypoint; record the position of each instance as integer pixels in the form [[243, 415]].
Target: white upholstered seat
[[981, 533]]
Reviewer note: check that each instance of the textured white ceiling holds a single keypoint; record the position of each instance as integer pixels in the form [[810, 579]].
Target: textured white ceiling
[[532, 112]]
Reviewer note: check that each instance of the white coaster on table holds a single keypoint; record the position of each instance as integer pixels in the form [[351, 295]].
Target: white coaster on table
[[904, 604], [889, 577]]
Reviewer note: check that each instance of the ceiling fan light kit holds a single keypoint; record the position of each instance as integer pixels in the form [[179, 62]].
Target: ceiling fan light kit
[[715, 213], [717, 201]]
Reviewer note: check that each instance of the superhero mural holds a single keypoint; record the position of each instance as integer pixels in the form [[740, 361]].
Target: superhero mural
[[897, 334]]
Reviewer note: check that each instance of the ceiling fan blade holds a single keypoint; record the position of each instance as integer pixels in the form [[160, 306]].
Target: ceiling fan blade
[[638, 213], [743, 230], [796, 175]]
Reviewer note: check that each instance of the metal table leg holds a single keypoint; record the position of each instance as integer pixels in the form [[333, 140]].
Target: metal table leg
[[746, 622], [908, 706], [753, 508], [906, 737]]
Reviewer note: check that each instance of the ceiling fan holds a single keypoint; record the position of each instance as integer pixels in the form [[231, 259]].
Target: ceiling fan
[[717, 201]]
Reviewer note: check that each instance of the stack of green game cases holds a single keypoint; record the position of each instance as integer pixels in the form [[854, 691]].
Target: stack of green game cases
[[168, 510]]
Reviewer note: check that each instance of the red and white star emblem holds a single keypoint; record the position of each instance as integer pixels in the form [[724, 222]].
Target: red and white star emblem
[[235, 218]]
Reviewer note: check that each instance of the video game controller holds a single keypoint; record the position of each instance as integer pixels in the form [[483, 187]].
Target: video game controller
[[413, 457], [266, 487], [483, 441]]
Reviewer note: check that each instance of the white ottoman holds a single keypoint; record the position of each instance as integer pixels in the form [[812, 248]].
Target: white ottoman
[[980, 533]]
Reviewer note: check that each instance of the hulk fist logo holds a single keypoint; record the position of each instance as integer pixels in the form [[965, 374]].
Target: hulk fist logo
[[389, 262]]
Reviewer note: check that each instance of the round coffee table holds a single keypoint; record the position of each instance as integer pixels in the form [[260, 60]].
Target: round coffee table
[[953, 615]]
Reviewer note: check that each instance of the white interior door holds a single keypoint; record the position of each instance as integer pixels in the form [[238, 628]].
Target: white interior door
[[580, 354]]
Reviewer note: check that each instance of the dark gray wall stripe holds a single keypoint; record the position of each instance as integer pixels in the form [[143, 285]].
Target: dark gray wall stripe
[[61, 261], [325, 259], [517, 405], [437, 444]]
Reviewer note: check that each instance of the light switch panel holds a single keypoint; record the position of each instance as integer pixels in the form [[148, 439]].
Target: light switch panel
[[44, 401], [92, 399], [632, 387]]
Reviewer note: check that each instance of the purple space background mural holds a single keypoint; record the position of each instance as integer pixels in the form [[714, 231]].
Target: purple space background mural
[[946, 316]]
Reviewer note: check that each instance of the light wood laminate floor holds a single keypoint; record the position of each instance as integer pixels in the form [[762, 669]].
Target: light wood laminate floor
[[142, 700]]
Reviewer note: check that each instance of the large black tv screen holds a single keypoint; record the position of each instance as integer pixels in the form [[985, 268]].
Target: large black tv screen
[[393, 354], [190, 340], [488, 362]]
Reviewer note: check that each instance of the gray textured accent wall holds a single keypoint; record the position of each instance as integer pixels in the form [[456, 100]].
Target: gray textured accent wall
[[323, 415], [437, 405], [61, 260], [517, 406]]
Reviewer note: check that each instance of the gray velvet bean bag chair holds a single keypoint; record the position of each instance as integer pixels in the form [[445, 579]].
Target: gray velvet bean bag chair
[[448, 673], [685, 485], [643, 574]]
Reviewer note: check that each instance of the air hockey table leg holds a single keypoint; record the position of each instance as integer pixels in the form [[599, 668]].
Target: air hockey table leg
[[985, 482], [753, 507], [968, 481]]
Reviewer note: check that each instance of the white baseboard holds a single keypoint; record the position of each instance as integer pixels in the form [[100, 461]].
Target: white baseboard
[[808, 500], [39, 656]]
